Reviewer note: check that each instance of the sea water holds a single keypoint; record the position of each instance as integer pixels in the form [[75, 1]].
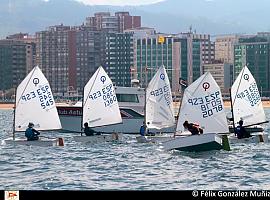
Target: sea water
[[129, 165]]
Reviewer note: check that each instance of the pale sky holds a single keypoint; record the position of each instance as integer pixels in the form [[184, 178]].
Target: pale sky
[[118, 2]]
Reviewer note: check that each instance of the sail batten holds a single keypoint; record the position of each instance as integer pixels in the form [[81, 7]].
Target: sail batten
[[159, 104], [100, 103], [202, 103], [246, 99], [35, 103]]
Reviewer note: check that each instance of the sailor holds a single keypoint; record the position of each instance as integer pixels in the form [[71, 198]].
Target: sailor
[[195, 129], [143, 129], [240, 131], [30, 133], [88, 131]]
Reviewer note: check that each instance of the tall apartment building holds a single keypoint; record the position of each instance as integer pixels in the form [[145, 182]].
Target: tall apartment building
[[17, 58], [224, 48], [53, 57], [196, 50], [30, 42], [117, 23], [118, 57], [222, 73], [96, 22], [181, 54], [155, 51], [190, 59], [207, 47], [254, 52], [68, 56], [127, 22], [85, 47]]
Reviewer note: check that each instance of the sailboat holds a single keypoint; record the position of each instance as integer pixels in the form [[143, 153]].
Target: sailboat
[[159, 111], [100, 107], [35, 103], [246, 105], [202, 103]]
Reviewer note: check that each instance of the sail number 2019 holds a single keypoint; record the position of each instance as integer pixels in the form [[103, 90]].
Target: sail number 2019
[[208, 104]]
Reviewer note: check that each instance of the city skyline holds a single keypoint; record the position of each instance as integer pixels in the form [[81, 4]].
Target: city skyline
[[67, 51], [169, 16]]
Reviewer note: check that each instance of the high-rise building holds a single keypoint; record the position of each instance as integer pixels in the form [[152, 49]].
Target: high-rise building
[[222, 73], [85, 54], [207, 47], [127, 22], [117, 23], [69, 56], [190, 59], [196, 50], [53, 57], [154, 51], [96, 21], [224, 48], [17, 58], [254, 52], [118, 57]]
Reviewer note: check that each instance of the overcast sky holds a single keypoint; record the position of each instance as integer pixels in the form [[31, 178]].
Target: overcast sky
[[118, 2]]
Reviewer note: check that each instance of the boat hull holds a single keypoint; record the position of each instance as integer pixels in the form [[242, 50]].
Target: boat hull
[[154, 139], [98, 138], [251, 129], [128, 126], [197, 143], [253, 139], [44, 142]]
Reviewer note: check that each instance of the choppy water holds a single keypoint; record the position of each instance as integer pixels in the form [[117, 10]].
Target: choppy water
[[129, 165]]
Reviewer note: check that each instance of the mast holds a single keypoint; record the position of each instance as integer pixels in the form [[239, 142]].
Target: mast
[[82, 112], [14, 112], [145, 98], [145, 110], [232, 109]]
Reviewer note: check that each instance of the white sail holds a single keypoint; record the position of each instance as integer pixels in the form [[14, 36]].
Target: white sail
[[100, 105], [202, 103], [246, 99], [159, 104], [35, 103]]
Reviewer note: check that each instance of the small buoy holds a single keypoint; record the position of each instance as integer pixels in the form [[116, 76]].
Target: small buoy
[[61, 142]]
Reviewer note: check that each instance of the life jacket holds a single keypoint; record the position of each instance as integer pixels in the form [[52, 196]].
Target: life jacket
[[142, 130], [29, 133], [193, 129], [198, 126], [239, 132]]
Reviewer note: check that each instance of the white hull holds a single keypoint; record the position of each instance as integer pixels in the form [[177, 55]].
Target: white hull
[[44, 142], [129, 126], [154, 139], [203, 142], [254, 139], [98, 138]]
